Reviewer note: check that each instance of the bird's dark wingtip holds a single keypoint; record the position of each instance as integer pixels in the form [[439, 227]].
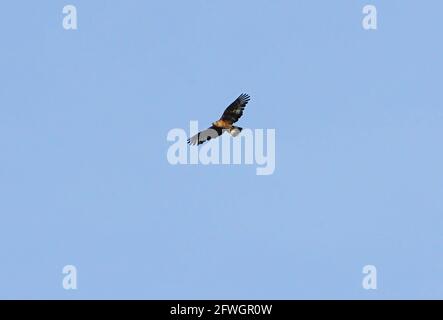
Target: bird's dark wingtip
[[245, 97]]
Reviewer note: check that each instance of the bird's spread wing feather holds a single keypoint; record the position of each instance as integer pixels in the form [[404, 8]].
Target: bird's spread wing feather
[[205, 135], [235, 110]]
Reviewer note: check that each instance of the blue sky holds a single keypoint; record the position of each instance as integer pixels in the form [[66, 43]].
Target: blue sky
[[84, 178]]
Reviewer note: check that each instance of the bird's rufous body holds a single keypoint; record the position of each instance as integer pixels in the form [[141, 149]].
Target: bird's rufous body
[[223, 124]]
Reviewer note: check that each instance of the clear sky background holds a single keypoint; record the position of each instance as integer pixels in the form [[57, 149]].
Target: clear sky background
[[84, 178]]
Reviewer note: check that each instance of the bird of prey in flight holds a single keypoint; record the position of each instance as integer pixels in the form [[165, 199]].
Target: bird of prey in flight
[[226, 123]]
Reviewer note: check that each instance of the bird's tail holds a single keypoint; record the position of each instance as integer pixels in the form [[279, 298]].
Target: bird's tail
[[235, 131]]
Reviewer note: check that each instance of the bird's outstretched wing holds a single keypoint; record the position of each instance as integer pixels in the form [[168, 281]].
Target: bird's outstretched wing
[[235, 110], [205, 135]]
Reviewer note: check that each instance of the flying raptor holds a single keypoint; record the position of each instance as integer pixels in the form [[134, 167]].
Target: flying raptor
[[226, 123]]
